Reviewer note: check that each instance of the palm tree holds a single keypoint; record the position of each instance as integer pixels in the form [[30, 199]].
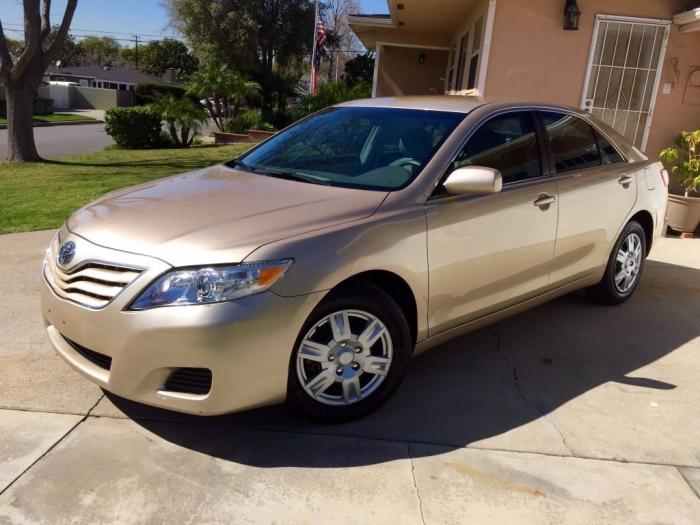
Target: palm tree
[[182, 116], [219, 86]]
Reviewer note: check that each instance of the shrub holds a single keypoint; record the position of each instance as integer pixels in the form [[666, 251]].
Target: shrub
[[136, 127], [182, 117], [334, 93], [148, 92], [266, 126], [247, 120]]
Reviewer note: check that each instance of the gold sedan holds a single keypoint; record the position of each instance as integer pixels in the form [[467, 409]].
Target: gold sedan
[[314, 266]]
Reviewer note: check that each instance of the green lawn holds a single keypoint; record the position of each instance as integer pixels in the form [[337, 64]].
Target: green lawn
[[37, 196], [59, 117]]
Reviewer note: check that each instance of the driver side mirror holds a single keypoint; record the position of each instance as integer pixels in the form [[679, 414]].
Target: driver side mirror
[[474, 179]]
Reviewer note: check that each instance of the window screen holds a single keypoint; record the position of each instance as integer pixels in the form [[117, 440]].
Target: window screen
[[572, 141], [507, 143]]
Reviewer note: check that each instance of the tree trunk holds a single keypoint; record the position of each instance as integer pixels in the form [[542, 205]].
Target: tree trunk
[[20, 133]]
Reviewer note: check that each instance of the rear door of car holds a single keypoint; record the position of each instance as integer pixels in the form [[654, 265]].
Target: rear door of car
[[596, 189], [486, 252]]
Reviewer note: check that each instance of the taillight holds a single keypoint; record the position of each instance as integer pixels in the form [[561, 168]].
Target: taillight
[[664, 177]]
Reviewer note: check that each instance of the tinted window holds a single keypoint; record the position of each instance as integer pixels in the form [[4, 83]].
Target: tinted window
[[607, 151], [507, 143], [572, 140], [369, 148]]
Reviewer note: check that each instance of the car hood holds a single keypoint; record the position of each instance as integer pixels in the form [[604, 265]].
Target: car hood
[[216, 215]]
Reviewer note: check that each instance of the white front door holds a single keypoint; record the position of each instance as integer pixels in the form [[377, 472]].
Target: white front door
[[624, 70]]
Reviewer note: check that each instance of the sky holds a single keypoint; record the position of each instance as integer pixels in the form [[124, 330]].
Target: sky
[[120, 19]]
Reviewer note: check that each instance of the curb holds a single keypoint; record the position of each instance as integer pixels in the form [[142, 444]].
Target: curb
[[66, 123]]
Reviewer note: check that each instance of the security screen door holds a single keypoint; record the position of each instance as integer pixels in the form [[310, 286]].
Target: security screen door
[[624, 70]]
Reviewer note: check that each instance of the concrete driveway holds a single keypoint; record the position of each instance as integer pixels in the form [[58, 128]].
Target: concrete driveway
[[569, 413]]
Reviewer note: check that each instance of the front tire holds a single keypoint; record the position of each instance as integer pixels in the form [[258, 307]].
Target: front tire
[[350, 356], [624, 269]]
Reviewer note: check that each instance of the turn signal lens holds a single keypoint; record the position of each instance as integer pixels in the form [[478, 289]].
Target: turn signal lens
[[211, 284]]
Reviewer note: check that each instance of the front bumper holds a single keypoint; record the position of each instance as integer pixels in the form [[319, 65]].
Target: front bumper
[[245, 343]]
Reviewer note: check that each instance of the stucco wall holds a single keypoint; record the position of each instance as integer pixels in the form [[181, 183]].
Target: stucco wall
[[532, 57], [92, 98], [401, 73]]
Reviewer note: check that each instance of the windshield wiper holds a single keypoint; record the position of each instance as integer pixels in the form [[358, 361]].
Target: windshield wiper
[[292, 175]]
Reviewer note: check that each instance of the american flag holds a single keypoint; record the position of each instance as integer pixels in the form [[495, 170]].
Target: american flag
[[320, 51]]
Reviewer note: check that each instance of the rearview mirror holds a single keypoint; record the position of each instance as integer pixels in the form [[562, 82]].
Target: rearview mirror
[[474, 179]]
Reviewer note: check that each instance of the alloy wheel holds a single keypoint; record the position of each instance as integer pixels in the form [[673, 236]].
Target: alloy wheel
[[344, 357], [628, 262]]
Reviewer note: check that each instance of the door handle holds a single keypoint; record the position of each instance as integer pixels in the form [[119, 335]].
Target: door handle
[[625, 180], [544, 199]]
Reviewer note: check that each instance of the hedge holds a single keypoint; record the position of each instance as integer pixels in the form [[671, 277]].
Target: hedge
[[137, 127]]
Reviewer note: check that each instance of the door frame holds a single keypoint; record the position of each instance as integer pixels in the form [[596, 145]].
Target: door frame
[[666, 25]]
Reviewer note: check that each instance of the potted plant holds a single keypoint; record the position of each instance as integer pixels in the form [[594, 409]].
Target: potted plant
[[684, 159]]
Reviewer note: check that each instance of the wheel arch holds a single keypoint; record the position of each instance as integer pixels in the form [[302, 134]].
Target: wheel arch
[[646, 221], [393, 284]]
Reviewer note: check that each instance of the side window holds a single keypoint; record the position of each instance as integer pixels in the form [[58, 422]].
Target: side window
[[507, 143], [608, 153], [572, 141]]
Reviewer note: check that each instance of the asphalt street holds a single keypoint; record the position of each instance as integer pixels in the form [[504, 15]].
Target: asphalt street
[[63, 141]]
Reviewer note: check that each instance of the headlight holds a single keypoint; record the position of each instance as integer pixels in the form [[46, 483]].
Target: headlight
[[212, 284]]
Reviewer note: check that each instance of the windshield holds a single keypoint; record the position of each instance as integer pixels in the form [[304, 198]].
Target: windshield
[[368, 148]]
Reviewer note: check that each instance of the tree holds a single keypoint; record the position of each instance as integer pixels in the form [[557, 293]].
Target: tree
[[339, 37], [160, 55], [100, 50], [22, 72], [182, 116], [359, 69], [221, 88], [71, 53], [256, 37]]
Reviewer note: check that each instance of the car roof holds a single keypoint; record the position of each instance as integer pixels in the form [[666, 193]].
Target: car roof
[[453, 103], [466, 104]]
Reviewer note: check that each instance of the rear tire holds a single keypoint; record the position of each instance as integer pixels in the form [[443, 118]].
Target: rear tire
[[350, 355], [625, 267]]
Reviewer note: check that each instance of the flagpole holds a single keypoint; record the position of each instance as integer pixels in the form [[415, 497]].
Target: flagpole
[[313, 53]]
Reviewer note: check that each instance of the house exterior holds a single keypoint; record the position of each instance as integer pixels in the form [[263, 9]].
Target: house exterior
[[633, 63], [107, 78]]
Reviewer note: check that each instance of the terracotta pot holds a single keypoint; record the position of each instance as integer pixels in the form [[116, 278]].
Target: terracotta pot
[[258, 135], [230, 138], [683, 213]]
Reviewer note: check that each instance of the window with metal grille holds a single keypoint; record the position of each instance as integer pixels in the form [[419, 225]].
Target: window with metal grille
[[623, 73]]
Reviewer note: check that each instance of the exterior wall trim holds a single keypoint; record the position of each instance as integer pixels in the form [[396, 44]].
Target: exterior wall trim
[[375, 77], [486, 48], [413, 46]]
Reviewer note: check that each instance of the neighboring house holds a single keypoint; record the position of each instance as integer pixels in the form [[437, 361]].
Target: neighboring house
[[632, 63], [108, 78]]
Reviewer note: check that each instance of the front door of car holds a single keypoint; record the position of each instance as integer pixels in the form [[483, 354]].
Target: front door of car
[[597, 190], [486, 252]]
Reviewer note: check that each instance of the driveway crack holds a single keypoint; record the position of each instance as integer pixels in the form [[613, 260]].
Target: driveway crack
[[543, 413], [58, 441], [415, 484]]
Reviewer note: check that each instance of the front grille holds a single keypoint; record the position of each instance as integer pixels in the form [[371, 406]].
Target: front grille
[[189, 381], [101, 360], [93, 284]]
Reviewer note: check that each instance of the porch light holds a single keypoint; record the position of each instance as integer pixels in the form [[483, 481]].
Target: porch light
[[572, 15]]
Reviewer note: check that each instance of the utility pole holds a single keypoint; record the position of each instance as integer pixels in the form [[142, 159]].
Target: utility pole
[[136, 51]]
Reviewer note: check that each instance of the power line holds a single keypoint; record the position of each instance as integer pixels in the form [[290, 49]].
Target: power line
[[130, 40], [97, 31]]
